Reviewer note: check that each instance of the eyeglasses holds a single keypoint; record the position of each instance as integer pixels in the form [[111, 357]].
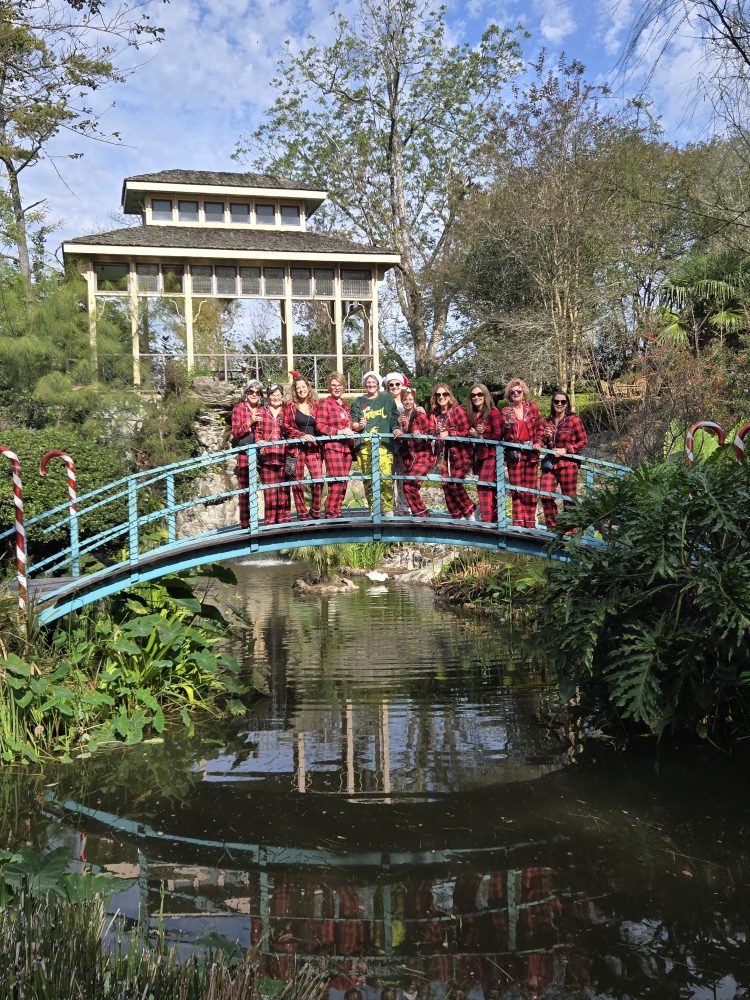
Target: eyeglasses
[[477, 395], [395, 385], [515, 392], [253, 392], [559, 402], [440, 395]]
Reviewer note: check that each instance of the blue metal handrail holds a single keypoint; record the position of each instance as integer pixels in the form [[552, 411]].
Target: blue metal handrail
[[151, 499]]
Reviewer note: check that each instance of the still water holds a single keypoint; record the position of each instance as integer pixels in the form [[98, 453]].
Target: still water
[[401, 809]]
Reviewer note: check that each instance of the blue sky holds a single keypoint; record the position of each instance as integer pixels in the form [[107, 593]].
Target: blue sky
[[209, 81]]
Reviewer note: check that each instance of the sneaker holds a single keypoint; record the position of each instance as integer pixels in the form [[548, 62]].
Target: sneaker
[[387, 513]]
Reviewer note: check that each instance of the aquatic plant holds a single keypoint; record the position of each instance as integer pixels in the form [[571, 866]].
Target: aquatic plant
[[654, 630], [119, 673], [508, 586]]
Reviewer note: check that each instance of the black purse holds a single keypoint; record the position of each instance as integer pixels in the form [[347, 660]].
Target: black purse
[[548, 463], [290, 465]]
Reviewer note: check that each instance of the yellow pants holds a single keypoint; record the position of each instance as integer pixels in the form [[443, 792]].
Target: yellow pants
[[386, 467]]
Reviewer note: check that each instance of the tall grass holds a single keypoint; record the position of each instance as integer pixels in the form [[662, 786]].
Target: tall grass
[[328, 558], [51, 949]]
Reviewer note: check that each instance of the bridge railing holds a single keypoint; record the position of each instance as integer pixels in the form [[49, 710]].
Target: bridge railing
[[158, 508]]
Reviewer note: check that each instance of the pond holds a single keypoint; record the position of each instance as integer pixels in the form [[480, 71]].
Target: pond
[[401, 808]]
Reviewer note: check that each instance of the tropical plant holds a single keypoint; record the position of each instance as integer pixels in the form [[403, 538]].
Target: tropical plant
[[706, 298], [653, 627]]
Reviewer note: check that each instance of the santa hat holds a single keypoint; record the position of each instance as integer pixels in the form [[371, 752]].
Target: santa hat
[[395, 377], [373, 375]]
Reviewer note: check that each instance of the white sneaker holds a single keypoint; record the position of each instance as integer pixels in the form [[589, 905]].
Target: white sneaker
[[387, 513]]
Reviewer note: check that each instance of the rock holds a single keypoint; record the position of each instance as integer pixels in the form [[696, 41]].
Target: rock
[[315, 587], [216, 393], [212, 431], [442, 556], [213, 515]]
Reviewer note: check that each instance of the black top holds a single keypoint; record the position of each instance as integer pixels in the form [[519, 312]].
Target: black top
[[305, 422]]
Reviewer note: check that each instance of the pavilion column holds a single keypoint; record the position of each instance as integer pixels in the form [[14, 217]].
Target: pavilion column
[[374, 337], [135, 341], [91, 306], [338, 323], [287, 322], [189, 345]]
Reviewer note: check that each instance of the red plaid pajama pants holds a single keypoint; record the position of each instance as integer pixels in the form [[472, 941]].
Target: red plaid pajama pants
[[523, 472], [313, 461], [565, 475], [338, 461], [487, 494], [277, 504], [417, 465], [457, 500], [243, 482]]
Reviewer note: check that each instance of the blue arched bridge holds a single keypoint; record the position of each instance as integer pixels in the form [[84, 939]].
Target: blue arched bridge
[[152, 523]]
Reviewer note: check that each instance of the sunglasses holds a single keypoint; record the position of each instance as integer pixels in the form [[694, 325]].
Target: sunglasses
[[560, 402], [253, 392], [395, 385], [477, 395], [515, 392], [440, 395]]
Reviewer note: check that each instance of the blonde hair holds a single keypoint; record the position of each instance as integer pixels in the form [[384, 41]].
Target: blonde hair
[[311, 396], [335, 377], [516, 383]]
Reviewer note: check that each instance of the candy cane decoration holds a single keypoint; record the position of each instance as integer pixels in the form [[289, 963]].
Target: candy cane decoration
[[739, 443], [20, 530], [707, 425], [73, 497]]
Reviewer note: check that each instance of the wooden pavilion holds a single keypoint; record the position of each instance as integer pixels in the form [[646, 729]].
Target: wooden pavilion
[[206, 234]]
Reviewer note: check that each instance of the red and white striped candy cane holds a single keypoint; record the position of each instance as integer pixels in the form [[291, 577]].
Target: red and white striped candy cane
[[73, 497], [739, 443], [706, 425], [20, 529], [71, 475]]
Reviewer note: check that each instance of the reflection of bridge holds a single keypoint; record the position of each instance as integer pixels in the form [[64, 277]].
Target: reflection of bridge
[[150, 524]]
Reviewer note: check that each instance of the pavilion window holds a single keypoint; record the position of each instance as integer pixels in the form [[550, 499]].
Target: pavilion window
[[112, 277], [187, 211], [324, 281], [355, 284], [239, 213], [172, 275], [250, 280], [148, 277], [265, 215], [161, 210], [214, 211], [274, 278], [301, 281], [202, 277], [290, 215], [226, 280]]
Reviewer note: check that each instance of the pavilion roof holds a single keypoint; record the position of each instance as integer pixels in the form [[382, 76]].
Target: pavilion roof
[[223, 177], [195, 239]]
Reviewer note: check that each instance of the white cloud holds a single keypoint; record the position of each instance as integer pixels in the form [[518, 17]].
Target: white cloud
[[556, 20]]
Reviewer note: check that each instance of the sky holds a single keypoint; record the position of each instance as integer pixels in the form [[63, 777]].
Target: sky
[[209, 81]]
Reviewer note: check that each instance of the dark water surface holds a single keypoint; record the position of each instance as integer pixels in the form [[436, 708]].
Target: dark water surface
[[400, 808]]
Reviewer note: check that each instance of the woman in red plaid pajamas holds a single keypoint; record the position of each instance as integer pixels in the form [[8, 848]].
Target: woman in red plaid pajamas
[[333, 419], [299, 424], [565, 434], [484, 422], [522, 424], [245, 418], [416, 455], [277, 505], [454, 458]]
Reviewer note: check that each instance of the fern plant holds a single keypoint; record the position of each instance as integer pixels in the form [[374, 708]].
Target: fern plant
[[654, 631]]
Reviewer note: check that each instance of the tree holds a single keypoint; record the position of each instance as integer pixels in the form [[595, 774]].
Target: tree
[[53, 56], [392, 120], [540, 237]]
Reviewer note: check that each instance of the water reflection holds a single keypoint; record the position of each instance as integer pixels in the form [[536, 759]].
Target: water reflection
[[396, 812]]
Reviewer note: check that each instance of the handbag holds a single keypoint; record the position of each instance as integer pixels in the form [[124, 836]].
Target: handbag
[[548, 463], [290, 465]]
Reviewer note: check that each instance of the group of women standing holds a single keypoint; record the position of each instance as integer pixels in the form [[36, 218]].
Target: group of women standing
[[413, 442]]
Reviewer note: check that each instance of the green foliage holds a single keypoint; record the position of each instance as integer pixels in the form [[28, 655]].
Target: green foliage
[[508, 587], [52, 949], [160, 654], [42, 876], [655, 630], [328, 558], [96, 465]]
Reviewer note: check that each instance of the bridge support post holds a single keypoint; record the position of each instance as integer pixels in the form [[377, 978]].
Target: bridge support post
[[252, 488], [171, 519], [133, 553], [376, 485], [502, 516]]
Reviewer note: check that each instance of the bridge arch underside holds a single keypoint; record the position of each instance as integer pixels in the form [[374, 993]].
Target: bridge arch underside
[[56, 597]]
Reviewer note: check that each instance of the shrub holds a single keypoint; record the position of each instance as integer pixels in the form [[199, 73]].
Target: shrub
[[654, 630]]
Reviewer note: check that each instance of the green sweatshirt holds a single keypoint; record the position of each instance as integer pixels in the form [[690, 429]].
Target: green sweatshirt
[[380, 414]]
